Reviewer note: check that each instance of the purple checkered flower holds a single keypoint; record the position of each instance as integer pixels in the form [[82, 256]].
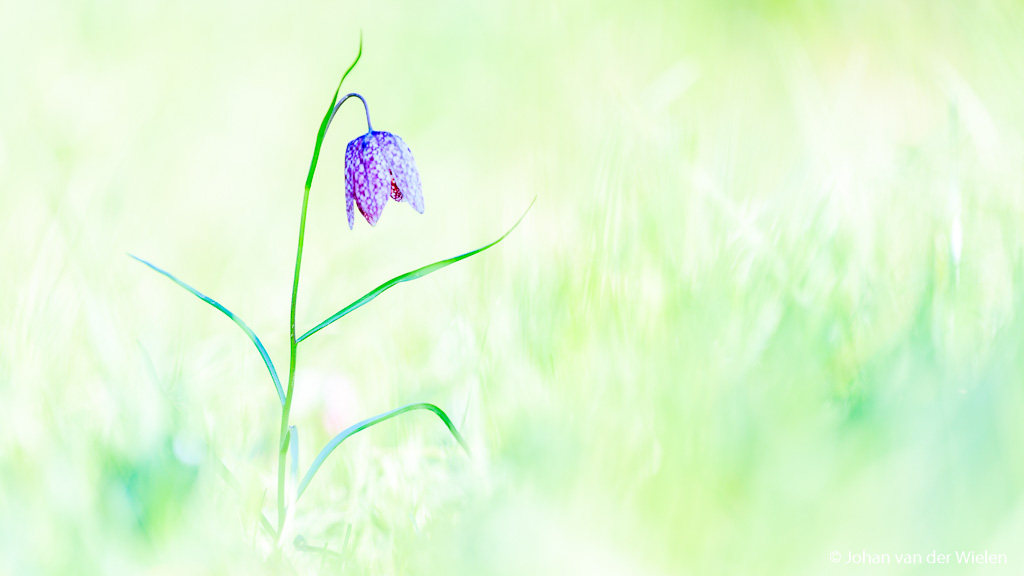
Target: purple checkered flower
[[378, 165]]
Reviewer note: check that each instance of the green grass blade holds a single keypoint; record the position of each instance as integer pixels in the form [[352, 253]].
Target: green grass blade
[[418, 273], [371, 422], [327, 117], [245, 328]]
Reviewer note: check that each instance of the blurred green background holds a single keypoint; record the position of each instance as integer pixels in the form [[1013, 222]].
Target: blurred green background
[[769, 304]]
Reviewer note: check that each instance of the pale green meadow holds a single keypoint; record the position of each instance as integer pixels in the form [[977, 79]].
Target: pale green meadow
[[765, 317]]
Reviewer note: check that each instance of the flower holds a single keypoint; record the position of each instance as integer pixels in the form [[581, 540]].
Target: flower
[[378, 165]]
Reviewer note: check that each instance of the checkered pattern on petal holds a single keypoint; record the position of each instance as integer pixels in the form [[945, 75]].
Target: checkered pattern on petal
[[403, 168], [353, 175], [379, 181], [379, 165]]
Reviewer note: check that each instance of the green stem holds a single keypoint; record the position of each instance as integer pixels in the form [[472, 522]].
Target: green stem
[[293, 343], [294, 348]]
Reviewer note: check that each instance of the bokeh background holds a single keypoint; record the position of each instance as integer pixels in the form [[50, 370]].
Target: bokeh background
[[769, 305]]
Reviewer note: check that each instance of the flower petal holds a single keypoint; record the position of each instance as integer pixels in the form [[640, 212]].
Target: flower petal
[[378, 165], [403, 167], [353, 174], [373, 194]]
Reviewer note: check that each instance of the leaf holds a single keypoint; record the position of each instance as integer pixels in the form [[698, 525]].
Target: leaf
[[327, 117], [418, 273], [371, 422], [245, 328]]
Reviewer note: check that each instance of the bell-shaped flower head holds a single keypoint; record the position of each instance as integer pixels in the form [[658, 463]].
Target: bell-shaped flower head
[[379, 165]]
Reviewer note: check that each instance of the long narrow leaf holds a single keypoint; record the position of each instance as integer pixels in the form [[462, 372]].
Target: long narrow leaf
[[418, 273], [327, 117], [366, 424], [245, 327]]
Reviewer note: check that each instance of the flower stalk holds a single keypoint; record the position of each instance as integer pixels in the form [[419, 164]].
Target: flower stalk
[[293, 348], [293, 344]]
